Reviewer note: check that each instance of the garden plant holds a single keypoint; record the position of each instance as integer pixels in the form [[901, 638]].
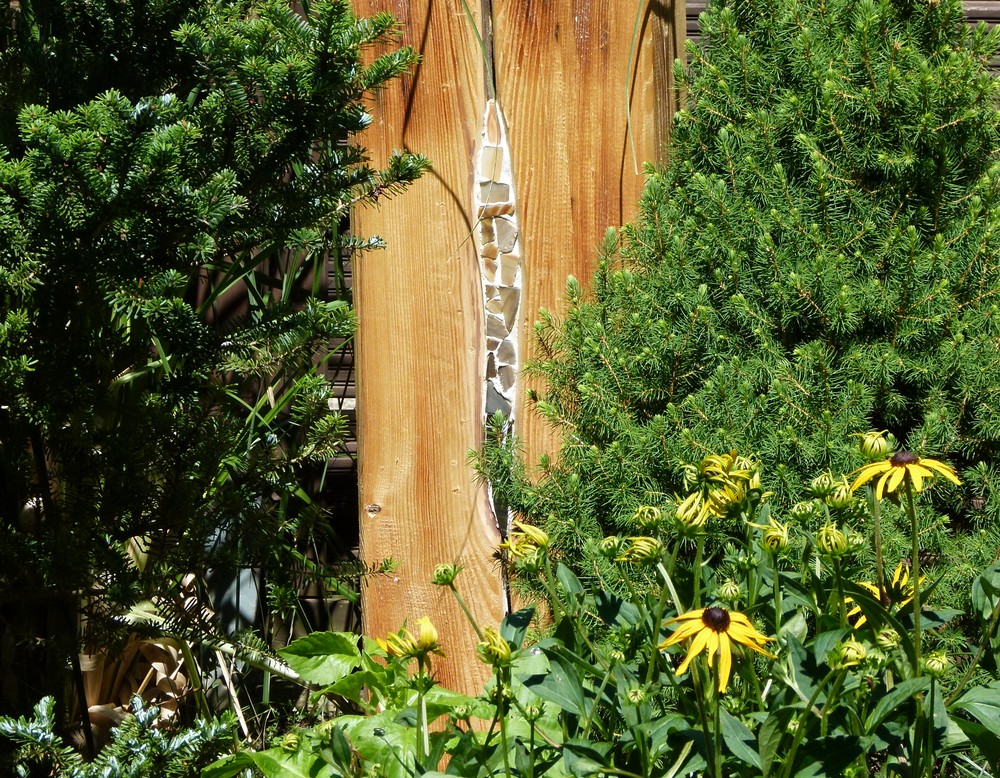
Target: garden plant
[[160, 164]]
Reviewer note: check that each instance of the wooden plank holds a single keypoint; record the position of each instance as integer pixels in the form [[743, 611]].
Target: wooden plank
[[561, 73], [420, 352]]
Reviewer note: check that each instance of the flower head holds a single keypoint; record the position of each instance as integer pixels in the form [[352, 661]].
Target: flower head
[[902, 466], [405, 645], [715, 629], [775, 535], [897, 593], [494, 650], [849, 654], [876, 445], [647, 517], [525, 541], [641, 551], [445, 574]]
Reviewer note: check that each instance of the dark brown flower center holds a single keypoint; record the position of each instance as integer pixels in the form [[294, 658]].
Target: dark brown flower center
[[716, 619], [904, 458]]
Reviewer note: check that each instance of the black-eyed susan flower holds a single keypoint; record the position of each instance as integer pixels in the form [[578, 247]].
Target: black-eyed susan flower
[[903, 466], [494, 649], [405, 645], [525, 541], [715, 630], [897, 593]]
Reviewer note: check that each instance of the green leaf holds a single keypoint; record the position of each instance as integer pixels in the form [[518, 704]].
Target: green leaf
[[323, 657], [229, 766], [583, 757], [278, 763], [560, 685], [983, 703], [614, 611], [568, 581], [515, 625], [739, 739], [891, 702], [770, 735]]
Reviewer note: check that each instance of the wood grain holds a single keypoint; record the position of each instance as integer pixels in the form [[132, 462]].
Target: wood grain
[[420, 351], [561, 71]]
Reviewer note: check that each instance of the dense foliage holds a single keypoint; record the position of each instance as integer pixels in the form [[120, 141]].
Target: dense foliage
[[818, 256], [164, 165]]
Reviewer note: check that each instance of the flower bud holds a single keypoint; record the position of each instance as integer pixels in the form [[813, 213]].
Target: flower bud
[[642, 551], [849, 654], [693, 511], [647, 517], [730, 590], [822, 486], [887, 638], [494, 650], [831, 541], [775, 537], [290, 742], [445, 574], [840, 498], [611, 547], [937, 663], [805, 512], [635, 696], [876, 445]]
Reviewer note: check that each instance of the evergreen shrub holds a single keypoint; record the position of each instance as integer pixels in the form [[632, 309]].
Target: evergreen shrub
[[818, 256]]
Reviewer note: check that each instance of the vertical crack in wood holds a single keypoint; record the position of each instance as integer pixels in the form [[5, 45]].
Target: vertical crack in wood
[[498, 235], [489, 69]]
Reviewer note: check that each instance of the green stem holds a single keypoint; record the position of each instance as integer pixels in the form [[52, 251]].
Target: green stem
[[700, 696], [699, 550], [879, 559], [717, 729], [831, 697], [466, 611], [503, 684], [777, 592], [914, 576], [799, 733]]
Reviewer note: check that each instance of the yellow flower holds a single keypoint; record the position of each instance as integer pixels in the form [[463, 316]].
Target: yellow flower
[[404, 645], [641, 551], [715, 629], [525, 541], [494, 650], [902, 466], [898, 593], [775, 534]]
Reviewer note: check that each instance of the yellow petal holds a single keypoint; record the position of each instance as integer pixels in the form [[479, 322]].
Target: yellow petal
[[880, 487], [896, 476], [868, 472], [917, 475], [683, 632], [725, 662], [686, 617], [941, 468], [697, 646]]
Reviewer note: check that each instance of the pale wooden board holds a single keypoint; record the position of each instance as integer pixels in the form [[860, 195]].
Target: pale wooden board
[[420, 351], [561, 69]]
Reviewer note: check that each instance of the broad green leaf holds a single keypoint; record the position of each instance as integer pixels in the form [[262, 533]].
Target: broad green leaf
[[560, 685], [614, 611], [983, 703], [981, 737], [583, 758], [891, 702], [515, 625], [738, 738], [278, 763], [229, 766], [823, 757], [323, 657], [770, 735], [568, 581]]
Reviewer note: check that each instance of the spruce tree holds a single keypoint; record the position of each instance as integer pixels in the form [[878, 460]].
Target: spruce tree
[[818, 256], [205, 154]]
